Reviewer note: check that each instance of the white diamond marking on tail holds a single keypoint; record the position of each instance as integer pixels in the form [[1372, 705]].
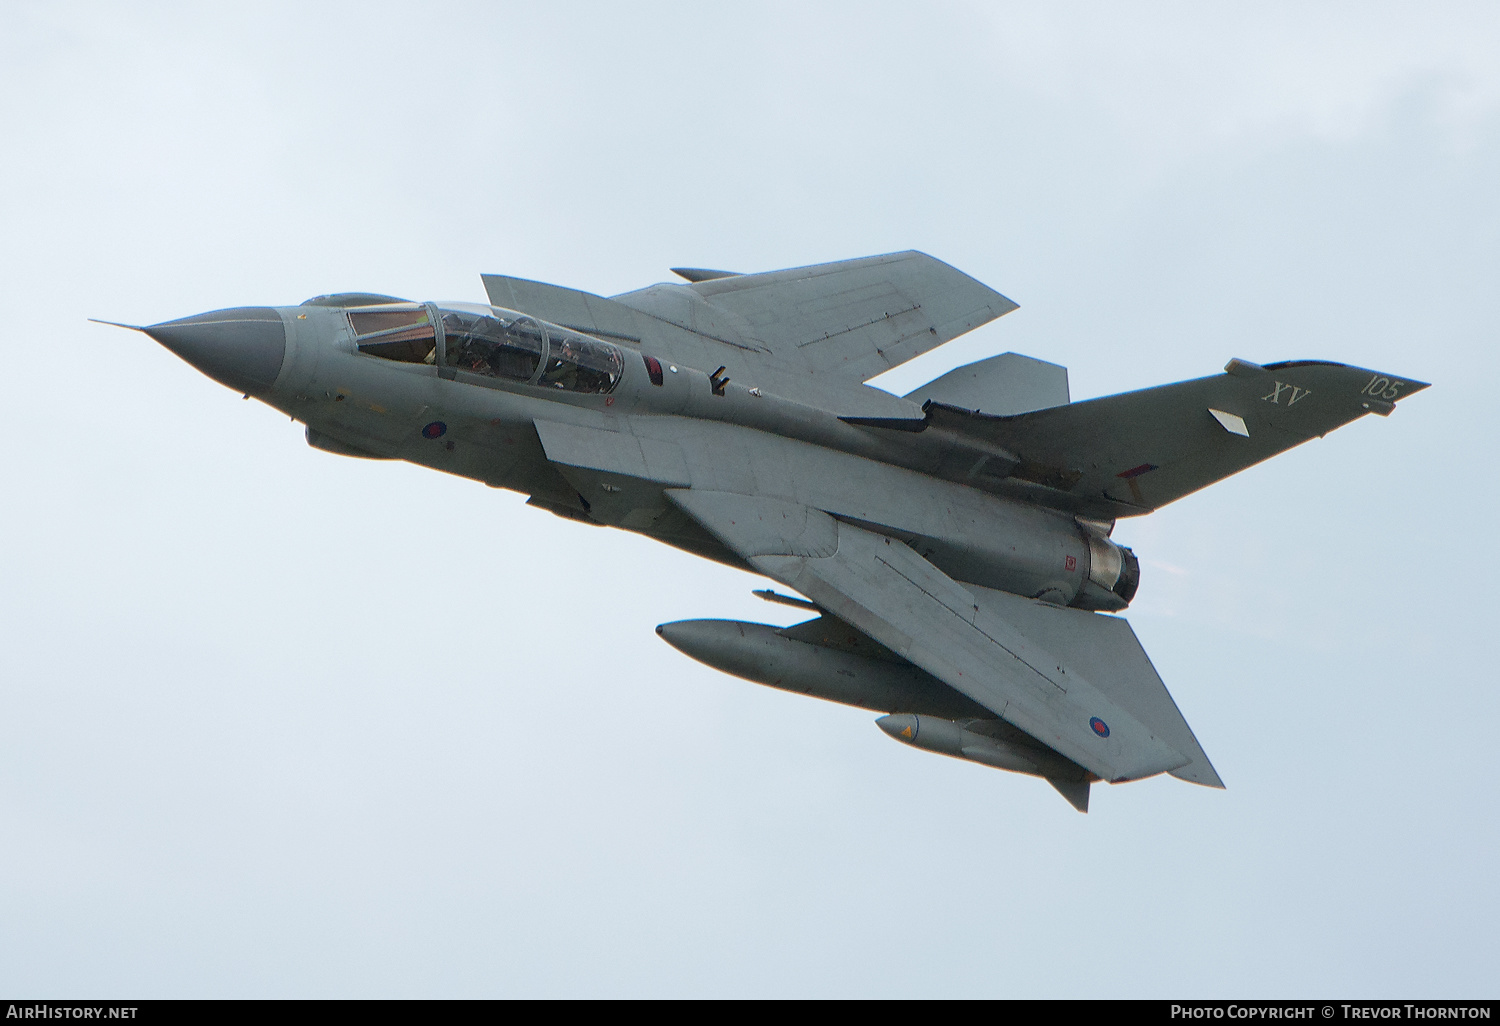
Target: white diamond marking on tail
[[1229, 422]]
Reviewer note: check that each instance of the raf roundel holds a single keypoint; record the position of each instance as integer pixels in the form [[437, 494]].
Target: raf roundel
[[437, 429], [1098, 726]]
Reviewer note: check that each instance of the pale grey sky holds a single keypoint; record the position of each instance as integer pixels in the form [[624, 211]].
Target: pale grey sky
[[282, 724]]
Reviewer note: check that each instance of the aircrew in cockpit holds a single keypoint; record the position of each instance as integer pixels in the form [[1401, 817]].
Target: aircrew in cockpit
[[577, 363]]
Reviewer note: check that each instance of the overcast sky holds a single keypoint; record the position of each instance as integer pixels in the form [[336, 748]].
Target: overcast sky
[[278, 723]]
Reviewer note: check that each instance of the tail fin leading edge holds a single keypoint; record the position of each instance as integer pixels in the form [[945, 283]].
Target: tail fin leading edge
[[1127, 454]]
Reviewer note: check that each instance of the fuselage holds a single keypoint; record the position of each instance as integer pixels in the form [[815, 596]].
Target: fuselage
[[494, 395], [937, 536]]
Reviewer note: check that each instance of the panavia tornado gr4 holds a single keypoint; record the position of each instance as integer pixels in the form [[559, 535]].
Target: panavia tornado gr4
[[954, 543]]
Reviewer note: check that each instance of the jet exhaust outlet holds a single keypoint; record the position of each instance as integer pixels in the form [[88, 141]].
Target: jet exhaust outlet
[[1113, 578]]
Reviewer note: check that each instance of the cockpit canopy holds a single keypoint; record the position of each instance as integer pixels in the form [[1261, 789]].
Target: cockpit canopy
[[488, 342], [403, 333]]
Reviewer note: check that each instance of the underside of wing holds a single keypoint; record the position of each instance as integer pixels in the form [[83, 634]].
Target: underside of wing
[[1128, 454], [1105, 650], [849, 320], [883, 588]]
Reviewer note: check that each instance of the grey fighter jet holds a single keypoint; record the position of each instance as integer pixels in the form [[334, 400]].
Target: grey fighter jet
[[954, 543]]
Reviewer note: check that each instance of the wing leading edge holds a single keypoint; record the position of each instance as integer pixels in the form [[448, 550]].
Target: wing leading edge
[[886, 590]]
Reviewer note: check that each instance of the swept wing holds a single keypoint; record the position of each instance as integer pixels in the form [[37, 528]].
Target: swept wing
[[886, 590]]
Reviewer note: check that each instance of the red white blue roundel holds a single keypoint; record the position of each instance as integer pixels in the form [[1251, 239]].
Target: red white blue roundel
[[1098, 726], [437, 429]]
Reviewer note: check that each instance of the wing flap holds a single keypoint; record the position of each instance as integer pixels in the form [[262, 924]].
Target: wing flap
[[886, 590]]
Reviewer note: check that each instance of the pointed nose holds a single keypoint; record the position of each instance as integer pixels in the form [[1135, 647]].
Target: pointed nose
[[242, 348]]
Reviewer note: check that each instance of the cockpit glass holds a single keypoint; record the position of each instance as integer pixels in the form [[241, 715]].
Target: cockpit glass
[[577, 363], [371, 322], [493, 344], [405, 335]]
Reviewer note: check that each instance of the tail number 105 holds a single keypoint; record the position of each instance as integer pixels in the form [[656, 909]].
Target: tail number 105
[[1384, 388]]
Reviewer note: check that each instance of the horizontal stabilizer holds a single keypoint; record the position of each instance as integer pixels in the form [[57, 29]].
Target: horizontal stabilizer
[[1002, 386]]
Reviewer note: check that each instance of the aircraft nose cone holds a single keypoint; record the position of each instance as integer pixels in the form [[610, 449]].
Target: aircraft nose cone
[[242, 348]]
